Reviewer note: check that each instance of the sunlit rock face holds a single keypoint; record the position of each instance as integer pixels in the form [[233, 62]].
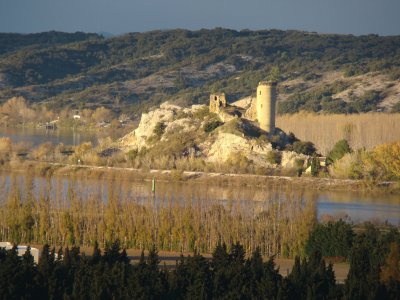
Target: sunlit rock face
[[230, 141]]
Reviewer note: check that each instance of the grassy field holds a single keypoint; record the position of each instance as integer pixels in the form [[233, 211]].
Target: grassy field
[[360, 130]]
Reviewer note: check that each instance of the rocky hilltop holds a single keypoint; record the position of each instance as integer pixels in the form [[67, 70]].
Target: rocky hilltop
[[178, 133]]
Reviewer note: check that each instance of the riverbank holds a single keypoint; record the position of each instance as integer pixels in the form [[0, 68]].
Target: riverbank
[[226, 179]]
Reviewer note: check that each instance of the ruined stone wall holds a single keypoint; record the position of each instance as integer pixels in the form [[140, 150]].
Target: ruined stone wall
[[251, 112], [217, 101]]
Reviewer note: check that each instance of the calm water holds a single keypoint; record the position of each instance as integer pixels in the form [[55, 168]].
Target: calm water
[[353, 206], [36, 136]]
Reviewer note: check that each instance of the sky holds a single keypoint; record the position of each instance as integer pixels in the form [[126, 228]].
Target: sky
[[356, 17]]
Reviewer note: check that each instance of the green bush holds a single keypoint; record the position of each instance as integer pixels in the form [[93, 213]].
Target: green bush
[[338, 151], [367, 102], [159, 129], [211, 125], [202, 113], [331, 239], [274, 157], [315, 166], [306, 148]]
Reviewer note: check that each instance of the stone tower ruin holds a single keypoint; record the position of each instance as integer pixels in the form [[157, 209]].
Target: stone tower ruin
[[266, 100], [217, 101]]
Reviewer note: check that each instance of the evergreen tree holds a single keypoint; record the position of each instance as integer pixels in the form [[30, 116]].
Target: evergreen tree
[[145, 280], [238, 273], [361, 282], [45, 269], [29, 274], [220, 276], [10, 275], [390, 272], [338, 151], [315, 166], [96, 256], [271, 279]]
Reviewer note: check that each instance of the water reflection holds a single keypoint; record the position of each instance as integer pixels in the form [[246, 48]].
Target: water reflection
[[37, 136], [355, 206]]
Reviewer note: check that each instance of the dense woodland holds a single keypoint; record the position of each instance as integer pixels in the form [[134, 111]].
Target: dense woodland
[[230, 273], [137, 70]]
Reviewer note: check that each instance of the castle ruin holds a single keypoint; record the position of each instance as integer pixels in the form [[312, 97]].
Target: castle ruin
[[260, 109], [266, 100], [217, 101]]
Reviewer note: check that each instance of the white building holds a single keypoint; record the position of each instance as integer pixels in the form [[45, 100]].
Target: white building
[[21, 249]]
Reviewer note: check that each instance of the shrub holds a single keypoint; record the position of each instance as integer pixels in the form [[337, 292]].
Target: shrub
[[334, 106], [233, 127], [159, 129], [201, 113], [315, 166], [43, 152], [211, 125], [262, 139], [306, 148], [352, 165], [367, 102], [291, 138], [386, 158], [332, 239], [274, 157], [338, 151], [132, 154]]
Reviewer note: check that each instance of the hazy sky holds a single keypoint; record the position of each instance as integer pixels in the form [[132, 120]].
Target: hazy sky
[[121, 16]]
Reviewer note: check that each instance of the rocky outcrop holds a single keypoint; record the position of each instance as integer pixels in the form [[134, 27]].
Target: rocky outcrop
[[137, 138], [292, 159], [218, 146], [167, 114], [227, 145]]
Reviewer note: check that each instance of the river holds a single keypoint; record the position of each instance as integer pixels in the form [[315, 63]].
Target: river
[[36, 136], [353, 206]]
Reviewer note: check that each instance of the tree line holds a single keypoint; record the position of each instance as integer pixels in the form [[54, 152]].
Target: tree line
[[226, 275]]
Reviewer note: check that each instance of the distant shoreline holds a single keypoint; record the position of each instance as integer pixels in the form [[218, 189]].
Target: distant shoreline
[[315, 183]]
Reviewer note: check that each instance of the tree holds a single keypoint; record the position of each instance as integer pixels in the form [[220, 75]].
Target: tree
[[315, 166], [17, 110], [386, 158], [338, 151], [360, 283], [306, 148], [331, 239], [274, 74], [219, 262], [102, 114], [390, 271]]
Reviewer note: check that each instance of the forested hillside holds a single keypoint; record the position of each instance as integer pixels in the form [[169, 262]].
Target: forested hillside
[[130, 73]]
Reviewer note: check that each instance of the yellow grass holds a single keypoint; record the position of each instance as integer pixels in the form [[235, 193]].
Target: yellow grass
[[361, 130]]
